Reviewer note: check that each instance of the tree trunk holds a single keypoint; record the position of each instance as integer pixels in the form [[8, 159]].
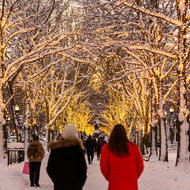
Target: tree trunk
[[153, 150], [26, 141], [163, 156], [163, 153], [11, 109], [183, 154], [2, 120]]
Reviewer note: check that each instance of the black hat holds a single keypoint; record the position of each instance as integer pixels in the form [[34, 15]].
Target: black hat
[[35, 137]]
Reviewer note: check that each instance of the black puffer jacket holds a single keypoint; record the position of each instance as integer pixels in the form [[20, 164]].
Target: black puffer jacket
[[66, 165]]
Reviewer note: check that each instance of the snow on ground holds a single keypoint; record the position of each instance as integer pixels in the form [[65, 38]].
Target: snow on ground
[[156, 176], [164, 176]]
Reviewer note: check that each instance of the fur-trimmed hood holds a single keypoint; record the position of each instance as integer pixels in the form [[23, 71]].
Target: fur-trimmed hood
[[66, 143], [35, 142]]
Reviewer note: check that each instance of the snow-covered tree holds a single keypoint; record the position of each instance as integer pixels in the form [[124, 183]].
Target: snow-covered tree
[[118, 110], [178, 18], [117, 31], [79, 114], [27, 35]]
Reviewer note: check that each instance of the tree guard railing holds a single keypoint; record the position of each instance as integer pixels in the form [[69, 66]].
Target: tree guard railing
[[15, 155]]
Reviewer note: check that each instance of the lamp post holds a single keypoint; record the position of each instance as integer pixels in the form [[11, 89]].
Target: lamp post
[[17, 108], [16, 112], [167, 126], [172, 126], [8, 119], [171, 109]]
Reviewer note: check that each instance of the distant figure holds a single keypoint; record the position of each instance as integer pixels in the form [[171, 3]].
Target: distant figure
[[66, 165], [103, 143], [90, 146], [98, 148], [35, 153], [121, 161]]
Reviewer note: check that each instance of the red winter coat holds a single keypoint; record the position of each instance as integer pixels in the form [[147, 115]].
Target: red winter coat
[[122, 172]]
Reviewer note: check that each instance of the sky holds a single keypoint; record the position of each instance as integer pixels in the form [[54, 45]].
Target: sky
[[156, 176]]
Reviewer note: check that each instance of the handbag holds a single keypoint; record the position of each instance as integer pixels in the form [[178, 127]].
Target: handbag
[[26, 168]]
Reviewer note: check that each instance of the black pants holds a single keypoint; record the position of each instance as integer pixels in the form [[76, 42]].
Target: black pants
[[34, 172], [98, 154], [90, 156]]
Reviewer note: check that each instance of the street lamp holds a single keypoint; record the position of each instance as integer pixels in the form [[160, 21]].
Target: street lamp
[[165, 114], [171, 109], [172, 126], [17, 122], [17, 108], [16, 111]]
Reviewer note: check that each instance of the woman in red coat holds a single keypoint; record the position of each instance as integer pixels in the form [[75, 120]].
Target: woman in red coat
[[121, 161]]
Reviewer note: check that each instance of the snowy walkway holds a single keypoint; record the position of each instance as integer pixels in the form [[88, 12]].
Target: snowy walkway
[[12, 178], [156, 176]]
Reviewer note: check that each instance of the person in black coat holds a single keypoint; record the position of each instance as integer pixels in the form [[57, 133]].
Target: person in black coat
[[98, 148], [66, 165], [90, 146]]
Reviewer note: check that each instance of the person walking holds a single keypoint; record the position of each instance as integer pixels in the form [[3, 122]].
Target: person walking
[[103, 142], [121, 162], [66, 164], [35, 153], [98, 148], [90, 146]]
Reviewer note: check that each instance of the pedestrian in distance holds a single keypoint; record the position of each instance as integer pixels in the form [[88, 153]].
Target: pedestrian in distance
[[121, 162], [103, 142], [98, 148], [35, 153], [90, 146], [66, 165]]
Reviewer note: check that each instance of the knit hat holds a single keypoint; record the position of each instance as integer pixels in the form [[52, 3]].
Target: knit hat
[[35, 137], [69, 131]]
